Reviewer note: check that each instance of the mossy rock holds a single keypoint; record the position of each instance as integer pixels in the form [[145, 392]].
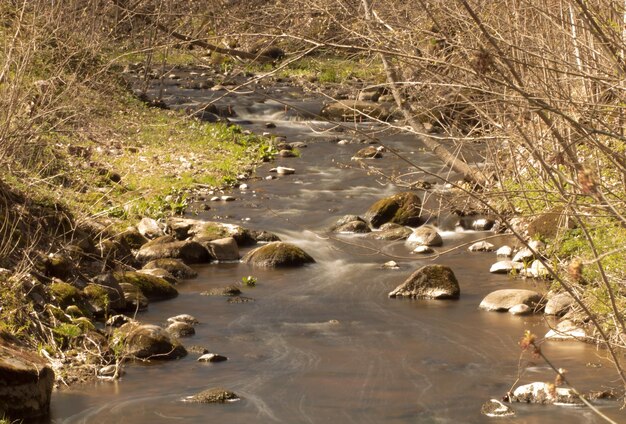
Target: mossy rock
[[160, 240], [278, 255], [59, 266], [154, 288], [216, 395], [174, 266], [146, 341], [429, 282], [402, 208], [134, 297], [131, 238], [65, 294], [104, 298]]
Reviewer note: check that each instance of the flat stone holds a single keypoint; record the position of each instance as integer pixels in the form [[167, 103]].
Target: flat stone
[[566, 330], [216, 395], [390, 265], [505, 267], [503, 300], [189, 319], [546, 394]]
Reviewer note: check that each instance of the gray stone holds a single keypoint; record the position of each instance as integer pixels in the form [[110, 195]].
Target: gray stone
[[425, 236], [135, 299], [520, 309], [504, 251], [224, 249], [503, 300], [524, 255], [429, 282], [190, 252], [505, 267], [559, 304]]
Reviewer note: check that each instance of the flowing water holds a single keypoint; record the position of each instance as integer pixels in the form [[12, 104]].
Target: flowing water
[[324, 343]]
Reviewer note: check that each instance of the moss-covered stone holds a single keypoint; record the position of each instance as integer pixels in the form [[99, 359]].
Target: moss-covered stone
[[429, 282], [402, 208], [154, 288], [174, 266], [216, 395], [145, 341], [131, 238], [65, 294], [547, 225], [103, 298], [59, 266], [134, 298], [278, 255]]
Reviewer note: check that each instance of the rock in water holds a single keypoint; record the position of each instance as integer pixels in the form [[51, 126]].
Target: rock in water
[[503, 300], [495, 408], [25, 383], [402, 208], [190, 252], [545, 393], [146, 341], [278, 255], [559, 304], [481, 246], [425, 236], [216, 395], [175, 266], [429, 282]]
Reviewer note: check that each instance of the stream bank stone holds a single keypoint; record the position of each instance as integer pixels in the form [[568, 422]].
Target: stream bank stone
[[429, 282], [175, 267], [190, 252], [26, 382], [278, 255], [402, 208], [503, 300], [495, 408], [146, 341], [153, 288], [224, 249]]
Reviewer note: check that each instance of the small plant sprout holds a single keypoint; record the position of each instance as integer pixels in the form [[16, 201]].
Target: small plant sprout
[[249, 281]]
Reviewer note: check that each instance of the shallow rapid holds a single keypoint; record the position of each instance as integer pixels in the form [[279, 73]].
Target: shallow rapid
[[324, 343]]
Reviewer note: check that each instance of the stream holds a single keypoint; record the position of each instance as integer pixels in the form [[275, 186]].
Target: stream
[[324, 343]]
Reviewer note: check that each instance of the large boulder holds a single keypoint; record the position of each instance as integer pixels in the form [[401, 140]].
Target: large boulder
[[503, 300], [175, 267], [425, 236], [402, 208], [154, 288], [278, 255], [26, 382], [429, 282], [355, 110], [145, 341], [188, 251]]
